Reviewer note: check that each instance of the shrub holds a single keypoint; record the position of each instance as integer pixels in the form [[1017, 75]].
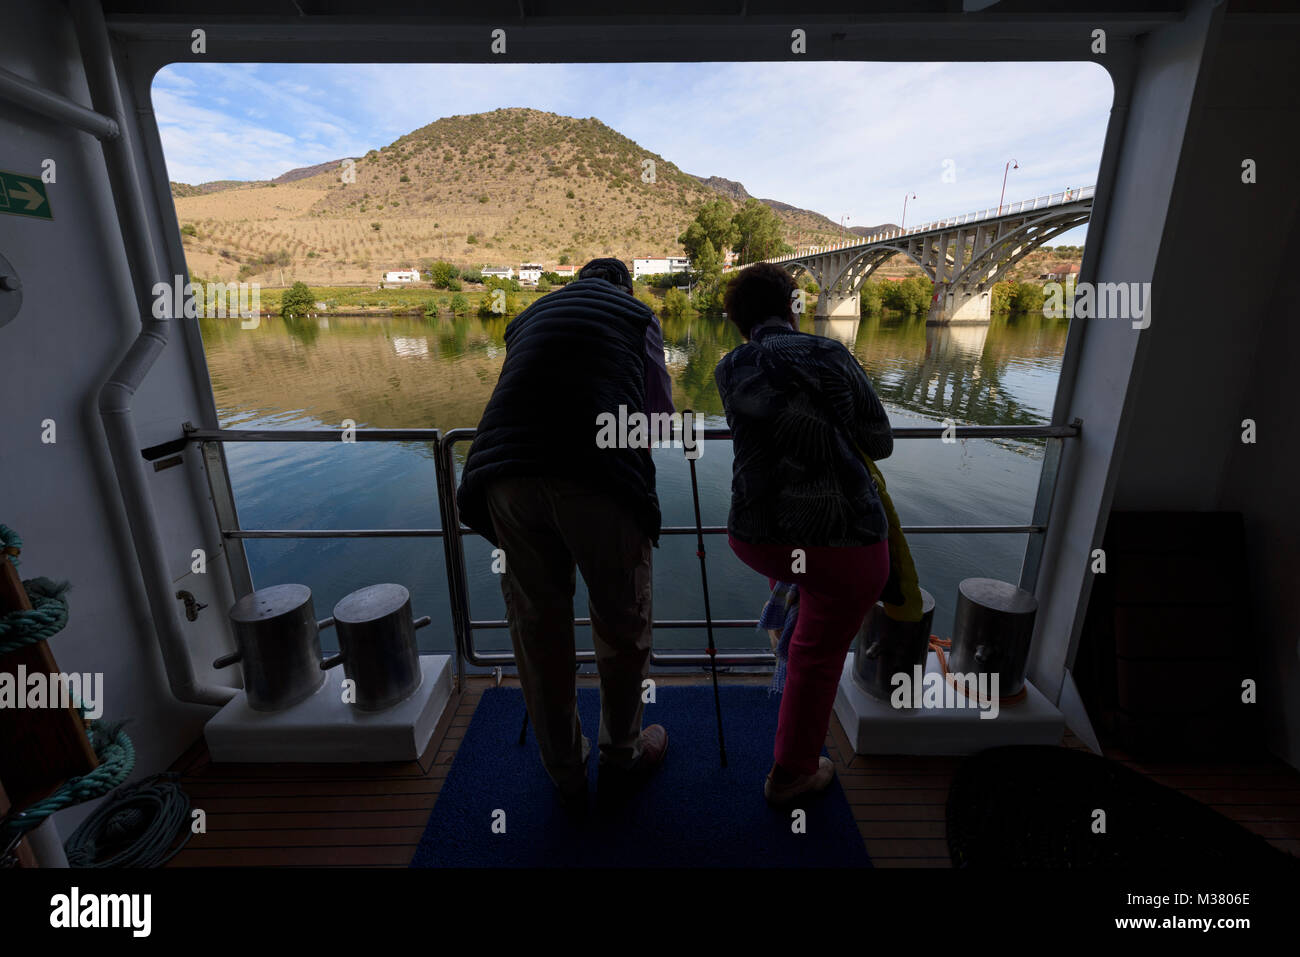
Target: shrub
[[442, 274], [676, 304], [297, 301], [511, 290], [459, 305]]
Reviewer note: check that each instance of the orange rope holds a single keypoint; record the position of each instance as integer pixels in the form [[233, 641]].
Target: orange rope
[[937, 645]]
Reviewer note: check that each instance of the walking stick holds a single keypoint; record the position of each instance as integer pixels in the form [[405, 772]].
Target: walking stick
[[704, 580]]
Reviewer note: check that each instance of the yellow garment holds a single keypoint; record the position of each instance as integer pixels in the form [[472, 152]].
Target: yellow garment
[[901, 567]]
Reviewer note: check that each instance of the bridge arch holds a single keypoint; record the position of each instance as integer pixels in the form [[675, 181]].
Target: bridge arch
[[963, 256]]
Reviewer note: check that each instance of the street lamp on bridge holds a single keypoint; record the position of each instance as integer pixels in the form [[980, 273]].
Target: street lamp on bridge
[[1011, 164], [842, 218], [904, 220]]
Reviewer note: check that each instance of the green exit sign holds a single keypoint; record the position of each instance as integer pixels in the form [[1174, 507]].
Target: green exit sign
[[23, 195]]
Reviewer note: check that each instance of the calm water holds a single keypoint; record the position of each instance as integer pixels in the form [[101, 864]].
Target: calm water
[[409, 372]]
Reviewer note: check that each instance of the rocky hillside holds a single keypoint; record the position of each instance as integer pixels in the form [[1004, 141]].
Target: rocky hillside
[[499, 188]]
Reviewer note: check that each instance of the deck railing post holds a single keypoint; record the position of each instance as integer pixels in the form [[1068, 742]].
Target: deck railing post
[[223, 503], [1047, 481], [454, 552]]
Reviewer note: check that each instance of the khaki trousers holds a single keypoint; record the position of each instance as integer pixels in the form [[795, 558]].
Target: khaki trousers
[[547, 527]]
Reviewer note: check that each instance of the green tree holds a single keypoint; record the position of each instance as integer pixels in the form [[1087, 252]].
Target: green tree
[[459, 305], [1027, 298], [442, 273], [712, 224], [706, 265], [909, 296], [871, 297], [1001, 298], [297, 301], [676, 304], [758, 232]]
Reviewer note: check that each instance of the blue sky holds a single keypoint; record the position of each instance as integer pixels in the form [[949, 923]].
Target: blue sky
[[844, 139]]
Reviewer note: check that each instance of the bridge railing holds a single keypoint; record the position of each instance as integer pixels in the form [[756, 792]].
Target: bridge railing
[[1006, 209]]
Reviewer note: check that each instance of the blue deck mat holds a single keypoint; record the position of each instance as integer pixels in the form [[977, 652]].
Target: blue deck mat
[[692, 813]]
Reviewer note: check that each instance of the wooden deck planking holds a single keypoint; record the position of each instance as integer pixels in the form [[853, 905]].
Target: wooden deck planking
[[363, 815]]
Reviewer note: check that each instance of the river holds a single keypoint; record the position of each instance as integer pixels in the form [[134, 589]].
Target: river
[[408, 372]]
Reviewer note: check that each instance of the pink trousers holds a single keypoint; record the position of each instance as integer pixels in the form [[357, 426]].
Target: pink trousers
[[837, 587]]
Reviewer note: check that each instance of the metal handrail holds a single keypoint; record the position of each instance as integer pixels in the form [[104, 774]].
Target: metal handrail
[[453, 531]]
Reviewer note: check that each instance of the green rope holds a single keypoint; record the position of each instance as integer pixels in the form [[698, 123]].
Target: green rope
[[116, 761], [136, 827], [48, 615], [10, 543], [114, 749], [49, 611]]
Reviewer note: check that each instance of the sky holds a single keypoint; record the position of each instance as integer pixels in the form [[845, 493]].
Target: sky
[[848, 140]]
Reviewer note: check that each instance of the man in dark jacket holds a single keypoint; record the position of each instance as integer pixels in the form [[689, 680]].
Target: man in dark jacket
[[540, 486]]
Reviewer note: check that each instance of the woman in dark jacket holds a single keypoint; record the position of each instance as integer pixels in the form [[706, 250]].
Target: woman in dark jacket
[[804, 507]]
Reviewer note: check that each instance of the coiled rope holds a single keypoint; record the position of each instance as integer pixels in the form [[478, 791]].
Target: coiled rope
[[114, 749], [49, 611], [136, 827]]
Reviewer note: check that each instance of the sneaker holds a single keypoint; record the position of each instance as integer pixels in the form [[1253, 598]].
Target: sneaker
[[622, 781], [813, 783]]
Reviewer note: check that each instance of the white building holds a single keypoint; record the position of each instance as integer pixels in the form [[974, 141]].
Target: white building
[[402, 275], [505, 272], [566, 272], [654, 267], [530, 272]]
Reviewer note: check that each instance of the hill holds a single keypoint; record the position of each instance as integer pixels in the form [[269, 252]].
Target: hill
[[499, 188]]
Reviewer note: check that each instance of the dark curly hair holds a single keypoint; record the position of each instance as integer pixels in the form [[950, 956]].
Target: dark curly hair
[[759, 292]]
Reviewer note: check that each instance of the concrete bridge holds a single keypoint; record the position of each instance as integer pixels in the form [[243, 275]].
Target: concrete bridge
[[963, 255]]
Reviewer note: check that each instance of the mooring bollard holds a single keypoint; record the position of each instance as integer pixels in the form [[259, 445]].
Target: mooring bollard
[[277, 640], [886, 647], [377, 645], [991, 631]]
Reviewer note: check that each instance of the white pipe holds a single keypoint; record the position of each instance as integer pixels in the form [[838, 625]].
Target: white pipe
[[33, 96], [116, 395]]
